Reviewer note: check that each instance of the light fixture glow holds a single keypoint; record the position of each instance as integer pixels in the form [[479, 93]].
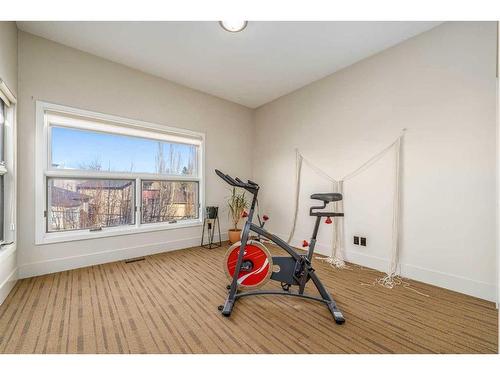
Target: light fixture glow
[[233, 26]]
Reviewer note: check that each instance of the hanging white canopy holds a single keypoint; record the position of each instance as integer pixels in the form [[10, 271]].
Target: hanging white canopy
[[337, 258]]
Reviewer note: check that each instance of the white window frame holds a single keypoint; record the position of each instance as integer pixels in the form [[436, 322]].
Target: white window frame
[[10, 191], [95, 121]]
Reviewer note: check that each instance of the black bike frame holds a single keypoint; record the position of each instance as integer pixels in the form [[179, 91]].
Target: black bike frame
[[309, 271]]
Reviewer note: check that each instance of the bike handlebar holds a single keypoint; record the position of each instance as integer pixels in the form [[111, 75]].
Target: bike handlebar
[[250, 185]]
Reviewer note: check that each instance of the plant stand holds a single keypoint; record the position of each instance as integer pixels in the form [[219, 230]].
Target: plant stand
[[211, 223]]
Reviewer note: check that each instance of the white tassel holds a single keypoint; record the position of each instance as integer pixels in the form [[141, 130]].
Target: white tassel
[[392, 281], [335, 262]]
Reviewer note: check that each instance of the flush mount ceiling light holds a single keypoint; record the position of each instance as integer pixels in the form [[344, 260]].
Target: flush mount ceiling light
[[233, 26]]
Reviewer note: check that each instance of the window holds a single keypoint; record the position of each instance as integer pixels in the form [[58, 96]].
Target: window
[[102, 175], [2, 172], [169, 201], [89, 203], [89, 150], [7, 168]]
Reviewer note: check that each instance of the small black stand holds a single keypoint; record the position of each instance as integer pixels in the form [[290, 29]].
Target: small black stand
[[211, 222]]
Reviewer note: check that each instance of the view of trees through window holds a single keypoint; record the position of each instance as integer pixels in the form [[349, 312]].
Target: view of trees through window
[[89, 150], [86, 204], [94, 203], [169, 201]]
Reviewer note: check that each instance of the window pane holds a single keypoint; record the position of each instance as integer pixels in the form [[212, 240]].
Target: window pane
[[2, 198], [87, 150], [2, 127], [165, 201], [85, 204]]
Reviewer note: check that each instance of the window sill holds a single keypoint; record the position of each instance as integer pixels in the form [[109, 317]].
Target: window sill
[[6, 250], [48, 238]]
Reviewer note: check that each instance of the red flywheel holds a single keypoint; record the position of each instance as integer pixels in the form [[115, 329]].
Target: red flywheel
[[257, 265]]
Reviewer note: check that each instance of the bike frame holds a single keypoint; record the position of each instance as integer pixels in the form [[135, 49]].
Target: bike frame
[[308, 274]]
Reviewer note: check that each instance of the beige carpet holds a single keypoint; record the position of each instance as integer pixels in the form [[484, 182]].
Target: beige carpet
[[168, 304]]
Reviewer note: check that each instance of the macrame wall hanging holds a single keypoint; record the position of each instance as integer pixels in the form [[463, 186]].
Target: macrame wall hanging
[[337, 258]]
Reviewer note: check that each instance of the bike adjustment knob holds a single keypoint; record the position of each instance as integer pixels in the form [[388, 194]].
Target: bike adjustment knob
[[305, 243], [328, 220]]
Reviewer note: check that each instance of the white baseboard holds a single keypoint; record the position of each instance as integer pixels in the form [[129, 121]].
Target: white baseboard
[[106, 256], [7, 284], [366, 260], [456, 283]]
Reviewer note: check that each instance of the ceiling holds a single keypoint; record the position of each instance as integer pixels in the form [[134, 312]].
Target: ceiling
[[253, 67]]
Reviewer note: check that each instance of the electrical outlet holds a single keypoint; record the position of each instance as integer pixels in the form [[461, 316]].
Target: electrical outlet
[[362, 241], [356, 240]]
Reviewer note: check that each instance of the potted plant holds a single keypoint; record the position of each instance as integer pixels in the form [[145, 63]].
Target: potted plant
[[237, 203]]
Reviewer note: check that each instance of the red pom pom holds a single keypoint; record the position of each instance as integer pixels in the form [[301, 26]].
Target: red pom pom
[[328, 220], [244, 214], [305, 243], [265, 218]]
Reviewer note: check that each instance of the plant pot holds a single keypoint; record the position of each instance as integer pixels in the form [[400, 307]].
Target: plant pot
[[212, 212], [234, 235]]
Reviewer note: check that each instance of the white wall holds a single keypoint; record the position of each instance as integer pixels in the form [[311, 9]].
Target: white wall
[[8, 73], [441, 86], [8, 54], [54, 73]]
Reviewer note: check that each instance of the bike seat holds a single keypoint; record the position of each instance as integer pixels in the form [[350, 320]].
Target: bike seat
[[327, 197]]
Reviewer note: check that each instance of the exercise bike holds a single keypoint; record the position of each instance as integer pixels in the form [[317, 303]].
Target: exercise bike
[[249, 264]]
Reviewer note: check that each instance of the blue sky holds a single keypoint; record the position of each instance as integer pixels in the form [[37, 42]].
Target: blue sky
[[73, 149]]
